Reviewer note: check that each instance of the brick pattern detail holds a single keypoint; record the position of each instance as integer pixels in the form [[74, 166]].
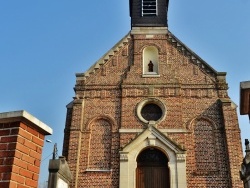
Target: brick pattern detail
[[192, 94], [100, 145], [20, 155], [205, 155]]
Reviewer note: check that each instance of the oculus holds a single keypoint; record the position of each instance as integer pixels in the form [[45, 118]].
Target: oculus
[[151, 110]]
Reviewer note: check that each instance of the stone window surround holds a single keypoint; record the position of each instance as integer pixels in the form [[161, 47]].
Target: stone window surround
[[153, 101]]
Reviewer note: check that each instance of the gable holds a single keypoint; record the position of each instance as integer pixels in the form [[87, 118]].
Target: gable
[[149, 137], [123, 64]]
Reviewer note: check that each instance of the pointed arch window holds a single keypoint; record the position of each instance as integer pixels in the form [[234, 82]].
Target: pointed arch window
[[149, 7]]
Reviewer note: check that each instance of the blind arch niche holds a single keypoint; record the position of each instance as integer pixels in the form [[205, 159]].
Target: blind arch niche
[[150, 61]]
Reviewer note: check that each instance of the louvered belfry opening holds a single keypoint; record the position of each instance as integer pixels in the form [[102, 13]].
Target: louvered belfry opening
[[148, 13], [149, 7], [152, 169]]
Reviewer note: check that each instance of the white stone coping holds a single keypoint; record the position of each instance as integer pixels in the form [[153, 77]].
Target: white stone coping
[[23, 114], [149, 31], [245, 85], [150, 75]]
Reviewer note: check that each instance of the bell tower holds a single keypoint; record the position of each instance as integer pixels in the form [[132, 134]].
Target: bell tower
[[148, 13]]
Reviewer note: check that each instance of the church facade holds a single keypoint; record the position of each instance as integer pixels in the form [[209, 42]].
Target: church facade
[[151, 113]]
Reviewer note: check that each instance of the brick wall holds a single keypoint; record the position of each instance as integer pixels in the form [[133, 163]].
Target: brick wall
[[21, 146], [193, 93]]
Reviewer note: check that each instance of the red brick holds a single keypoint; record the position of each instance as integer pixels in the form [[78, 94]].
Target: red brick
[[20, 140], [20, 163], [35, 177], [6, 176], [15, 169], [42, 136], [26, 173], [9, 139], [28, 159], [32, 131], [33, 168], [12, 184], [7, 153], [14, 131], [31, 183], [18, 154], [37, 163], [4, 132], [22, 186], [5, 169], [22, 148], [39, 149], [35, 154], [17, 178], [30, 144], [9, 161], [25, 134], [12, 146], [38, 141], [3, 146], [4, 184], [23, 126]]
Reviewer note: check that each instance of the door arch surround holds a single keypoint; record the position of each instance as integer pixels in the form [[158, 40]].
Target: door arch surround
[[152, 137], [152, 169]]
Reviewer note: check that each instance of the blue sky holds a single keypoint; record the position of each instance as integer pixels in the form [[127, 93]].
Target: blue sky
[[44, 43]]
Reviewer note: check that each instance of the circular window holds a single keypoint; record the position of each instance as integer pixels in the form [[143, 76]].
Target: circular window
[[151, 110]]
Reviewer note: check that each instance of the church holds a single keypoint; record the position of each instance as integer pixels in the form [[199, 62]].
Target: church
[[151, 113]]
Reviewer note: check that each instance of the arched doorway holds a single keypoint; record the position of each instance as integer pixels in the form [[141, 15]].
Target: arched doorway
[[152, 169]]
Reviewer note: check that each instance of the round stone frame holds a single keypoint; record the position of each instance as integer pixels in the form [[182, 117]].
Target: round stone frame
[[151, 101]]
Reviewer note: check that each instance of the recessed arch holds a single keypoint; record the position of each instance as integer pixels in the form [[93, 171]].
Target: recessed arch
[[151, 44], [190, 125], [100, 142], [150, 60], [204, 150], [107, 118]]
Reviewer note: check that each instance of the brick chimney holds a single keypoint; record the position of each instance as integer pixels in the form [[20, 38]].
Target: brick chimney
[[21, 142]]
